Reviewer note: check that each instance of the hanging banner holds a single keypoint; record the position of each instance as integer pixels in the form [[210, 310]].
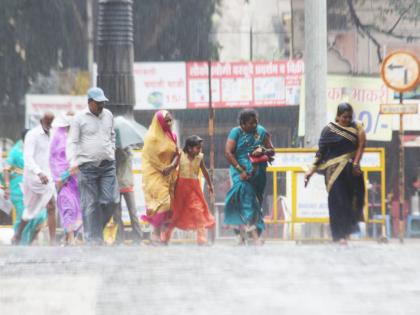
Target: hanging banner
[[180, 85], [365, 95], [244, 84], [36, 105], [160, 85]]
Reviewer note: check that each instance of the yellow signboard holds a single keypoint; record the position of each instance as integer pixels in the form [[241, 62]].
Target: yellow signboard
[[365, 94]]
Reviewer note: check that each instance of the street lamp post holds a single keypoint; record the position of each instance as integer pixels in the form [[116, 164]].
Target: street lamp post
[[115, 45]]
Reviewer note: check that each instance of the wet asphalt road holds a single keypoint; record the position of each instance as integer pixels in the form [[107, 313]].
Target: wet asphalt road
[[277, 278]]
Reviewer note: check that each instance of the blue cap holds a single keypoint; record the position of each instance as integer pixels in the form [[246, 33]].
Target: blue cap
[[97, 94]]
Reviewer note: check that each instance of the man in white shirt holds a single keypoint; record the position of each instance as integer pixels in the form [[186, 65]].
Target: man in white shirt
[[38, 186], [91, 150]]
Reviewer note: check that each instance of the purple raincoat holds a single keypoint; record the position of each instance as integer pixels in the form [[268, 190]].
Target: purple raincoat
[[68, 199]]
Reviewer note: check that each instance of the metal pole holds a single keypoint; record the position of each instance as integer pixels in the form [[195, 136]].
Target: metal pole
[[90, 43], [292, 52], [401, 173], [212, 147], [250, 44]]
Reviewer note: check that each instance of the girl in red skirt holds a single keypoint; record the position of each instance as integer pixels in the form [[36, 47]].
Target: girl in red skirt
[[190, 209]]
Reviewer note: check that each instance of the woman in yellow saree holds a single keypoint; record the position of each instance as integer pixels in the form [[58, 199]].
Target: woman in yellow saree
[[159, 161]]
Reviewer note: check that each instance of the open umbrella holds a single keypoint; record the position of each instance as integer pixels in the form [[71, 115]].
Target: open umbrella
[[128, 132]]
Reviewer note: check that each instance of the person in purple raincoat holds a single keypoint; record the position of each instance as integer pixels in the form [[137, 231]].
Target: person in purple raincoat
[[68, 198]]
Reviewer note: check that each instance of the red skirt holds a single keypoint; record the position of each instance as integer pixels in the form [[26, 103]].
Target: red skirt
[[190, 209]]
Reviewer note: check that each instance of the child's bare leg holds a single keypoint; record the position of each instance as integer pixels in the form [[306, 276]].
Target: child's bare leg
[[155, 236], [201, 236], [166, 234]]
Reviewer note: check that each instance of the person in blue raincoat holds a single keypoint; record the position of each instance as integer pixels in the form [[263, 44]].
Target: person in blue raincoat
[[248, 149]]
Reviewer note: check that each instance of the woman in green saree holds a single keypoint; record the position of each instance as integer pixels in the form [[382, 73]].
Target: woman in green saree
[[249, 141], [13, 176]]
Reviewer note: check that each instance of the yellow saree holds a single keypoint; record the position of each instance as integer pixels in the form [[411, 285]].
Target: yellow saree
[[158, 152]]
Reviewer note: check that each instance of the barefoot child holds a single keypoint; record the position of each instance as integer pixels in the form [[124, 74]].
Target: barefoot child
[[190, 210]]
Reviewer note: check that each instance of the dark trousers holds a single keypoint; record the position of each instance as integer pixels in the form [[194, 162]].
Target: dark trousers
[[135, 224], [99, 197]]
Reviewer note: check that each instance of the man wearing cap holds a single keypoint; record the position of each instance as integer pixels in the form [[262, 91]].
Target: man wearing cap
[[91, 150], [38, 185]]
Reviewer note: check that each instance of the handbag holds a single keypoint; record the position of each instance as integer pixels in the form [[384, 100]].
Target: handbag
[[258, 159]]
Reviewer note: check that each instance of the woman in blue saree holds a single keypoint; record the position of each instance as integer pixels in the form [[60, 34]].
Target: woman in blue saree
[[13, 176], [243, 202], [340, 150]]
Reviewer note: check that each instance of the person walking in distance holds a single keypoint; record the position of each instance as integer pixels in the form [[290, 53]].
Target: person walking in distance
[[38, 185], [124, 160], [91, 152]]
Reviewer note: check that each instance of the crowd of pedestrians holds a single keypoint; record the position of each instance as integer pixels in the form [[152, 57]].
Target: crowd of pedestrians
[[78, 169]]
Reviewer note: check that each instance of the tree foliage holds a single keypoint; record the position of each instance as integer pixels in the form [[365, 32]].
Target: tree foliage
[[386, 18], [40, 37], [35, 37], [173, 30]]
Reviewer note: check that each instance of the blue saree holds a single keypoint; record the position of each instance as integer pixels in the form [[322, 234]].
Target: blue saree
[[14, 163], [243, 201]]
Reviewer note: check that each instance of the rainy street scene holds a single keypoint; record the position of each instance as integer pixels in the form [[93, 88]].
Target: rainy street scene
[[210, 157]]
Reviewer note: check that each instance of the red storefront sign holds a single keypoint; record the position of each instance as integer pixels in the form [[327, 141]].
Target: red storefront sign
[[244, 84]]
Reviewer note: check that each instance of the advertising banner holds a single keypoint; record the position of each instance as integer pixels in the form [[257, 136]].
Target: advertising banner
[[365, 95], [180, 85], [160, 85], [36, 105], [242, 84]]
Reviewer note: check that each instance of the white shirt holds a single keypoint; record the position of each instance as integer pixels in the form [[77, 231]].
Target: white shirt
[[36, 153], [36, 157], [91, 138]]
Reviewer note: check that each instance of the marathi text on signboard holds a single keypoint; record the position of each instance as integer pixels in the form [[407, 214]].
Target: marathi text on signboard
[[365, 95], [160, 85], [36, 105], [241, 84]]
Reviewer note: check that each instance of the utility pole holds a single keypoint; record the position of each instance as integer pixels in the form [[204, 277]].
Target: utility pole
[[251, 57], [90, 43], [212, 149], [315, 70], [315, 58]]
